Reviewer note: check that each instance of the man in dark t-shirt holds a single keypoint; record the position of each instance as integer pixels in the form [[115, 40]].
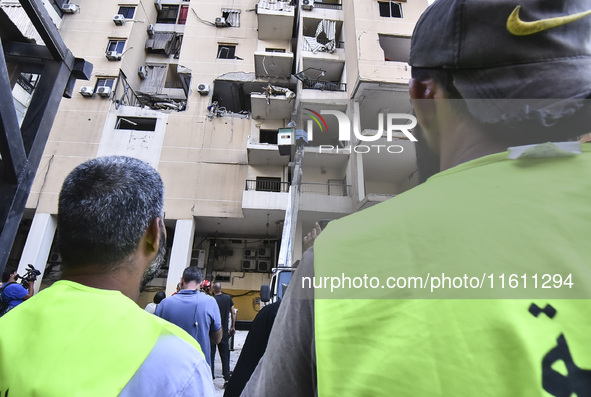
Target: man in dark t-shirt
[[226, 306]]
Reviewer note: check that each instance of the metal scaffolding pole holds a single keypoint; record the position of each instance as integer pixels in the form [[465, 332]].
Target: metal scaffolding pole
[[21, 147]]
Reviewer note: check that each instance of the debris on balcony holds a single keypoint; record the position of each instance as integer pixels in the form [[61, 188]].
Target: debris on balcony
[[232, 92], [272, 90], [319, 43], [275, 5], [165, 43], [219, 111]]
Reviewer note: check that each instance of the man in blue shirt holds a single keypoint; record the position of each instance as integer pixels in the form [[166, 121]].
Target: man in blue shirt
[[12, 293], [194, 311]]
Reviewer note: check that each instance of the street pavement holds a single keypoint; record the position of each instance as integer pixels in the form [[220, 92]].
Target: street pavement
[[218, 382]]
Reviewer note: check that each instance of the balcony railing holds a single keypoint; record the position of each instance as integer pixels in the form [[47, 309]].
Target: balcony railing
[[325, 41], [324, 85], [327, 189], [267, 186], [329, 6]]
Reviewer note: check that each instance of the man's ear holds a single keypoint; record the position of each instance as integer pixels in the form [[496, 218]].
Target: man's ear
[[152, 236], [422, 95]]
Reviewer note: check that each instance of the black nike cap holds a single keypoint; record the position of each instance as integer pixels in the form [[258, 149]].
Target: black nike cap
[[510, 59]]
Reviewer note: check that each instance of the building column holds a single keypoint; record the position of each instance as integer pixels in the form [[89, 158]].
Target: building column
[[180, 254], [38, 245]]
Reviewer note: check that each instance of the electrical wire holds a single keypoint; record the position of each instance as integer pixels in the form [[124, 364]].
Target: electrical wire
[[202, 20]]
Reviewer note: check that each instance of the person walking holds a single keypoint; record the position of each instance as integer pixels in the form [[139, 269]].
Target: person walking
[[228, 317], [194, 311]]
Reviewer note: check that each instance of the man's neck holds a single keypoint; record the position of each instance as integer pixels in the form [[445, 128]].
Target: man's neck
[[109, 281], [463, 142], [191, 285]]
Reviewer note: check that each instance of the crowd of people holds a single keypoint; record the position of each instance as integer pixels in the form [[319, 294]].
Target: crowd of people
[[500, 89]]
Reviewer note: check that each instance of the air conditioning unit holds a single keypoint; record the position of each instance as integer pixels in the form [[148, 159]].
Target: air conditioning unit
[[151, 29], [104, 91], [113, 56], [249, 264], [264, 252], [220, 22], [87, 91], [264, 266], [142, 71], [250, 253], [203, 88], [70, 8], [119, 19], [198, 258], [308, 5]]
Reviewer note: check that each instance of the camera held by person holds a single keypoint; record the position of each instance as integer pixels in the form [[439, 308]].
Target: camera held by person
[[29, 277]]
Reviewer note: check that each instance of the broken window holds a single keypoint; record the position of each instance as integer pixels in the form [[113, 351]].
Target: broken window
[[324, 38], [167, 14], [136, 123], [226, 51], [164, 43], [390, 9], [154, 82], [396, 48], [232, 17], [127, 12], [268, 136]]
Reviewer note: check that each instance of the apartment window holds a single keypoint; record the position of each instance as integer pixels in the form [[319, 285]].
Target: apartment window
[[183, 15], [281, 50], [136, 123], [227, 51], [116, 45], [232, 17], [391, 9], [105, 82], [268, 136], [396, 48], [127, 12], [168, 14]]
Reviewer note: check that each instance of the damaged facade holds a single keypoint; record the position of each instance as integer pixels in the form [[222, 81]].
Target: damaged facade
[[200, 89]]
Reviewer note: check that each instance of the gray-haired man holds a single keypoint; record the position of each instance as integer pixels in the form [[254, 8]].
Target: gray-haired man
[[85, 335]]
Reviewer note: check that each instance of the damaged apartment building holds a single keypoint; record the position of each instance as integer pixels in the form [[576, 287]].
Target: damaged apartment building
[[200, 89]]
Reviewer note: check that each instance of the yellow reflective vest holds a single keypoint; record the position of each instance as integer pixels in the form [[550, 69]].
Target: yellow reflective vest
[[489, 218], [74, 340]]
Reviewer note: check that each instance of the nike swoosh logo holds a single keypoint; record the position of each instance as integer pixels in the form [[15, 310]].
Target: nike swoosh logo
[[518, 27]]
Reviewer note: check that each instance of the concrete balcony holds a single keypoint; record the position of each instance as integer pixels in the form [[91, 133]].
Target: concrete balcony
[[264, 154], [271, 107], [273, 64], [330, 198], [264, 196], [275, 19]]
